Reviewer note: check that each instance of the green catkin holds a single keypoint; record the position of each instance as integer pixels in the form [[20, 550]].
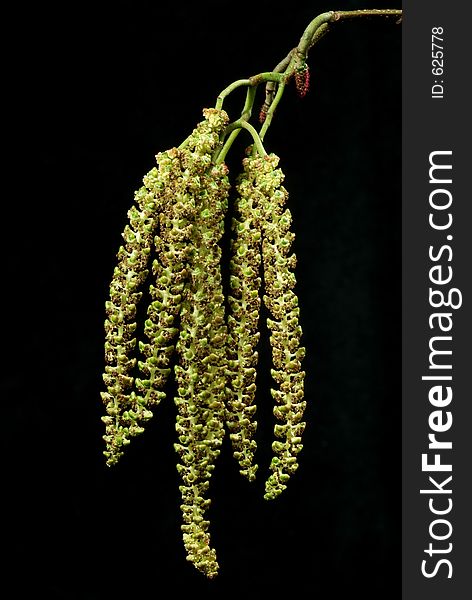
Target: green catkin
[[287, 354], [282, 303], [261, 234], [201, 373], [243, 321], [120, 325], [177, 224], [164, 216]]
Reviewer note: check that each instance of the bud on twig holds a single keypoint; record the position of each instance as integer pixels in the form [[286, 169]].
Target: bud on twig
[[302, 80]]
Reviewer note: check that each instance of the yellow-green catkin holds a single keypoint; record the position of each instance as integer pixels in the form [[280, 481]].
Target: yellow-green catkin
[[165, 292], [285, 332], [120, 324], [164, 219], [243, 320], [201, 372]]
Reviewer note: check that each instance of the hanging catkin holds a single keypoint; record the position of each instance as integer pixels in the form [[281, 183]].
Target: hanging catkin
[[243, 321], [162, 221], [262, 237], [120, 325], [282, 304], [201, 373]]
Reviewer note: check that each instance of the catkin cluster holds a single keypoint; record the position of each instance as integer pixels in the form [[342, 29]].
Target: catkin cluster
[[261, 251], [175, 228], [173, 244]]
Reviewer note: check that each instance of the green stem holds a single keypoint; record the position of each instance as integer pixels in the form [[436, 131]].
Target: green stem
[[270, 85], [319, 33], [296, 58], [233, 86], [312, 34], [339, 15], [270, 112], [264, 77], [306, 40], [219, 157], [245, 116], [247, 109], [253, 81], [234, 129], [319, 26], [255, 136]]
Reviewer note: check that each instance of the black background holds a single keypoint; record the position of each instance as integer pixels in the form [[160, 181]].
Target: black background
[[101, 88]]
